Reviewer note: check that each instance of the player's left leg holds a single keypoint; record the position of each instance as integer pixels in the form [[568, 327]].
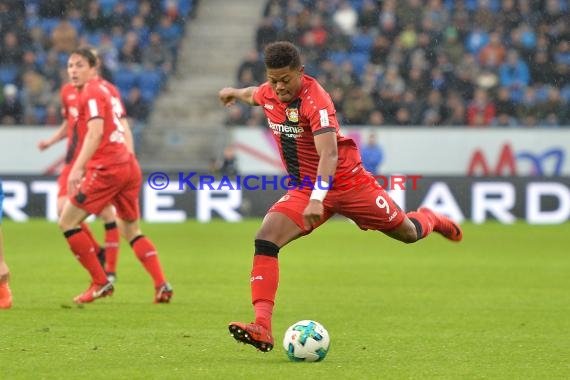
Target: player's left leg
[[372, 208], [147, 254], [112, 239]]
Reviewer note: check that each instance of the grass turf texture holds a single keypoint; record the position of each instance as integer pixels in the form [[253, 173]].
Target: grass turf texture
[[493, 307]]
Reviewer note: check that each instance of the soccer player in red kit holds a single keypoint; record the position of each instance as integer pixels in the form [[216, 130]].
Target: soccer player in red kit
[[104, 172], [5, 292], [69, 96], [67, 129], [302, 117]]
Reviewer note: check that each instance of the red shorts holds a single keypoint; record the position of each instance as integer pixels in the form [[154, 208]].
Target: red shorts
[[369, 206], [118, 185], [62, 181]]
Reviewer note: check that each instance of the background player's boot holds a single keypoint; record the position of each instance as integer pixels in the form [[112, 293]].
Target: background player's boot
[[163, 293], [5, 295], [95, 291], [444, 225], [256, 335], [111, 277]]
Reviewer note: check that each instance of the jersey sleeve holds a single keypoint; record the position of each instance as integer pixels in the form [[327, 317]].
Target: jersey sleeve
[[94, 103], [259, 94], [320, 112]]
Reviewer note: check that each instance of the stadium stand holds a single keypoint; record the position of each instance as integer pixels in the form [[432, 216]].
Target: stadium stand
[[36, 37], [474, 63]]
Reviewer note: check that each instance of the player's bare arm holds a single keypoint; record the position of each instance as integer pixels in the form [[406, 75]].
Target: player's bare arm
[[59, 134], [229, 95], [327, 149], [92, 140]]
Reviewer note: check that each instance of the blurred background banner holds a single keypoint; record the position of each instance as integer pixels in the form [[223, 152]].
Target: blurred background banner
[[436, 152], [502, 199]]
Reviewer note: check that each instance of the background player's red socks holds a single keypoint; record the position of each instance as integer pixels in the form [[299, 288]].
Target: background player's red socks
[[82, 246], [424, 222], [112, 240], [264, 282], [85, 227], [147, 255]]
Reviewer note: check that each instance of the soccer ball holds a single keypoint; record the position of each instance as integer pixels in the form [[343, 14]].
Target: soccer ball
[[306, 341]]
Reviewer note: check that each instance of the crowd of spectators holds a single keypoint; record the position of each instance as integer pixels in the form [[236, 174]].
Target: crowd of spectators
[[137, 41], [476, 63]]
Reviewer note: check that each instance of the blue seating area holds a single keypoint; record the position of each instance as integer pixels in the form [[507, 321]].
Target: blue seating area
[[468, 63], [119, 29]]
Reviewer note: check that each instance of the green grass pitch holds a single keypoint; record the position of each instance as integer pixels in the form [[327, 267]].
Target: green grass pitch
[[496, 306]]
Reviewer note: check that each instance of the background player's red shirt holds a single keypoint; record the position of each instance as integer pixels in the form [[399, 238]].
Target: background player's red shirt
[[295, 124], [118, 106], [69, 95], [95, 102]]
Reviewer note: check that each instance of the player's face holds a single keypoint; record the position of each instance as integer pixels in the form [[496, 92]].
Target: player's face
[[286, 82], [79, 71]]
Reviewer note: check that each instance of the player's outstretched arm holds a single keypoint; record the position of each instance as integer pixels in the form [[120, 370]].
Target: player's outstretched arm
[[58, 135], [229, 95]]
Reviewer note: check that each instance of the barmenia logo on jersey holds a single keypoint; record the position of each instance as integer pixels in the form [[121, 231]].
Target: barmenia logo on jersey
[[287, 130]]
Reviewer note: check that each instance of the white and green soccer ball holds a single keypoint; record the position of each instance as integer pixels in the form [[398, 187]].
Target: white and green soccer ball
[[306, 341]]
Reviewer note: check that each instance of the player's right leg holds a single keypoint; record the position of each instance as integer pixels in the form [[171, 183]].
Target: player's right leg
[[282, 224], [85, 251]]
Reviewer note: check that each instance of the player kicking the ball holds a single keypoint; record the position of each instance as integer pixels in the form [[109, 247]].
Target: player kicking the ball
[[303, 119]]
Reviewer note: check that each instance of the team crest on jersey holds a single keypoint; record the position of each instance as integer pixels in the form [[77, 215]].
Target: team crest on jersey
[[292, 115]]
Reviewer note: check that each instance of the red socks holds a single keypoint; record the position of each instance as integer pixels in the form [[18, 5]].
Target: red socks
[[147, 255], [112, 240], [424, 221], [264, 282], [86, 252]]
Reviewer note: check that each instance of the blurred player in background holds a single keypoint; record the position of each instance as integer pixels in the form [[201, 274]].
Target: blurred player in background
[[107, 255], [303, 119], [104, 172], [5, 292]]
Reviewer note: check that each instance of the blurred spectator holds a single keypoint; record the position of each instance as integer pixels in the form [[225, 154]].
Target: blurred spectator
[[36, 94], [346, 18], [371, 154], [357, 106], [11, 109], [493, 54], [480, 111], [503, 103], [253, 63], [138, 110], [131, 53], [94, 20], [514, 74], [64, 37], [228, 163], [11, 50], [455, 111], [157, 55], [266, 32]]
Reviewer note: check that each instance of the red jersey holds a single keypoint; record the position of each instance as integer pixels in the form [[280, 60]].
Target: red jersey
[[95, 101], [295, 124], [69, 95], [118, 105]]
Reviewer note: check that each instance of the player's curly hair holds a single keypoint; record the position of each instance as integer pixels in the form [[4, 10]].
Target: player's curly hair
[[280, 54]]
